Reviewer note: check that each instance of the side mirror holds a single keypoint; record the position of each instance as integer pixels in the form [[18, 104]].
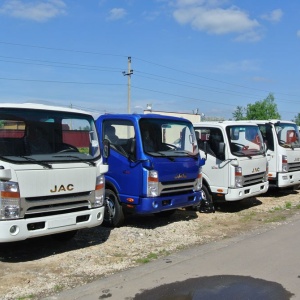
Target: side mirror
[[132, 150], [205, 149], [221, 149], [106, 148]]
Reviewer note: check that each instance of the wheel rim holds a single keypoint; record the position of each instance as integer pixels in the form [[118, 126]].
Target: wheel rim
[[203, 195], [109, 209]]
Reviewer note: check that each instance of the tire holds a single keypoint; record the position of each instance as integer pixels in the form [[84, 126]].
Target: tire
[[206, 205], [113, 215], [64, 236], [165, 214]]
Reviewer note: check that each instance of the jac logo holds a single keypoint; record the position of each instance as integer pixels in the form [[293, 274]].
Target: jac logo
[[180, 176], [62, 188], [297, 159], [255, 170]]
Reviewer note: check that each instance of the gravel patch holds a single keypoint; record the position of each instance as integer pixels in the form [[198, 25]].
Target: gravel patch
[[37, 268]]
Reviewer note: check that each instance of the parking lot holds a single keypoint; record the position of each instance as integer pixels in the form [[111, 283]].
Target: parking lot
[[34, 269]]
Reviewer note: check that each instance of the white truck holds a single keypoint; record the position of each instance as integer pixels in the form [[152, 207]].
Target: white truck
[[51, 172], [282, 140], [236, 164]]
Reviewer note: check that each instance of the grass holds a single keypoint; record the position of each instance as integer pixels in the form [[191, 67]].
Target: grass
[[288, 205], [26, 297], [151, 256], [84, 150], [277, 208], [275, 219], [58, 287], [249, 216]]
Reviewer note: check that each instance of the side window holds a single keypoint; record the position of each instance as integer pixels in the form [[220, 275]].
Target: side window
[[267, 135], [73, 134], [202, 135], [12, 134], [121, 136], [213, 137], [214, 140]]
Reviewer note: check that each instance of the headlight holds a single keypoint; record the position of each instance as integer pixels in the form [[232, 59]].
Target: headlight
[[152, 184], [198, 183], [9, 200], [285, 165], [99, 191], [238, 177]]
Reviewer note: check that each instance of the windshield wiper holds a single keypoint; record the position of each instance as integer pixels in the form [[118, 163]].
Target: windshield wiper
[[153, 153], [166, 156], [44, 164], [187, 153], [91, 163]]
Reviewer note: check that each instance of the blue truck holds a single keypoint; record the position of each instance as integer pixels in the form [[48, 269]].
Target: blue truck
[[154, 165]]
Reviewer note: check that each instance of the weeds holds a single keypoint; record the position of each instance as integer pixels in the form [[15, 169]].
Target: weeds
[[275, 219], [58, 288], [249, 216], [148, 258], [26, 297], [288, 205]]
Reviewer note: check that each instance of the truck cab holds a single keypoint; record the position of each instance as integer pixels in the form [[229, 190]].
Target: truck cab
[[282, 140], [51, 172], [154, 165], [236, 164]]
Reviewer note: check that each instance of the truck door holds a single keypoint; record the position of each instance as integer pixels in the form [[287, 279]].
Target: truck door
[[122, 168], [215, 169]]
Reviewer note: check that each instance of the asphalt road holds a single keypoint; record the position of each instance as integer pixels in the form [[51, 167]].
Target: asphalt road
[[260, 265]]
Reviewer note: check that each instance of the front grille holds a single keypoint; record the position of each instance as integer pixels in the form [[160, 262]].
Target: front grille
[[294, 167], [170, 188], [253, 179], [57, 197], [54, 205]]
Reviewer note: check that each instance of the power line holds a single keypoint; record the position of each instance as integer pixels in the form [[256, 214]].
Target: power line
[[61, 49], [155, 77], [57, 81], [57, 64], [139, 59]]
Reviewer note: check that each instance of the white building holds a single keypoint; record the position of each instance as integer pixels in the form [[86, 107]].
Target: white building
[[194, 118]]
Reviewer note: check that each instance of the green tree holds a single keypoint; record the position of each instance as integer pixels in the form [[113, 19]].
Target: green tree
[[260, 110], [297, 119], [238, 114]]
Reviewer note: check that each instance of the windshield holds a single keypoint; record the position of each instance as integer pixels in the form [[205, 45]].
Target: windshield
[[163, 137], [245, 140], [288, 135], [28, 135]]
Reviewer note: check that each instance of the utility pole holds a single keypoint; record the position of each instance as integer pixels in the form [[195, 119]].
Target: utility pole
[[128, 74]]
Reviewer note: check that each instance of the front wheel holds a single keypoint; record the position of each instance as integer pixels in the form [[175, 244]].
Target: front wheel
[[206, 205], [113, 215]]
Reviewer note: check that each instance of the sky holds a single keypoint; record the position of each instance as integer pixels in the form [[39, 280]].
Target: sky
[[118, 56]]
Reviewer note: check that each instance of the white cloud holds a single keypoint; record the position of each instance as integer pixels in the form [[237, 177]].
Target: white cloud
[[216, 21], [189, 2], [298, 33], [39, 11], [273, 16], [116, 14], [208, 3], [239, 66], [250, 36]]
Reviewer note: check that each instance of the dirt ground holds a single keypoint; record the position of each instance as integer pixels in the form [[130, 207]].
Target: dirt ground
[[37, 268]]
